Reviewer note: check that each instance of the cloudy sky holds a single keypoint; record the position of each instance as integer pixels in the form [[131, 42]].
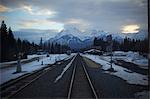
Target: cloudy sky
[[50, 16]]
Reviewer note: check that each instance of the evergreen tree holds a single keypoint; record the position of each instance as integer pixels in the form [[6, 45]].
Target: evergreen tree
[[49, 47], [44, 46], [116, 45], [11, 39], [59, 48], [10, 47], [127, 45], [95, 41], [10, 33], [56, 48], [8, 43], [52, 48], [41, 43], [133, 45], [19, 45], [4, 42]]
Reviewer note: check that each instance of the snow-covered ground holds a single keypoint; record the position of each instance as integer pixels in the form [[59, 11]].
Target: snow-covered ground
[[6, 74], [142, 95], [133, 57], [132, 78], [29, 57]]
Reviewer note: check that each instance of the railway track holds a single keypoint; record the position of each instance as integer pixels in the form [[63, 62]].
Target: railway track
[[18, 84], [81, 85], [12, 87]]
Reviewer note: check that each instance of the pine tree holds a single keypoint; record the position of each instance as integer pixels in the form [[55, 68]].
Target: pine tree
[[19, 45], [11, 45], [44, 46], [41, 43], [11, 39], [56, 48], [4, 42], [8, 43], [49, 47], [95, 41], [52, 48], [59, 48], [10, 33]]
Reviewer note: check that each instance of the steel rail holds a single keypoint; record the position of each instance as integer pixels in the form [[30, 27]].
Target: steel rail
[[73, 80], [90, 82]]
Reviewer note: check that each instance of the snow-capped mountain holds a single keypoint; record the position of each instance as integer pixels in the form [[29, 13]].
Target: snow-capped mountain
[[77, 39], [72, 37], [74, 32]]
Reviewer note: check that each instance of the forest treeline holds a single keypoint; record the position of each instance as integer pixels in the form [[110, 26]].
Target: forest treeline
[[126, 45], [53, 47], [10, 47]]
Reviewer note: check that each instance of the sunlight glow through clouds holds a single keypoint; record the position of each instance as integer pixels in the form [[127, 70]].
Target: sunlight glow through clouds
[[130, 29], [78, 23], [115, 16], [4, 9], [37, 11], [75, 21]]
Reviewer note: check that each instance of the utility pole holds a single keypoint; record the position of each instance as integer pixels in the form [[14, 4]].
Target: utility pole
[[110, 45], [59, 51], [111, 54]]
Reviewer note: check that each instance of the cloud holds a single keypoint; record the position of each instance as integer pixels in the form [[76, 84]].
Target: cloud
[[78, 23], [37, 11], [130, 29], [40, 24], [4, 9], [34, 35], [108, 15], [28, 8]]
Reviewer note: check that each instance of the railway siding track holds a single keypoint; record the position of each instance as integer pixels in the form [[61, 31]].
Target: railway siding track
[[16, 85], [12, 87]]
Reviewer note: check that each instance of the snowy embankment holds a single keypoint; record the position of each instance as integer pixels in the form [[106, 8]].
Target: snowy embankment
[[64, 70], [131, 78], [6, 74], [133, 57]]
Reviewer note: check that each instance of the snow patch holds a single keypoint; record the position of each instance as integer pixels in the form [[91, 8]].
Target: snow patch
[[64, 70], [142, 95], [131, 78], [133, 57], [6, 74]]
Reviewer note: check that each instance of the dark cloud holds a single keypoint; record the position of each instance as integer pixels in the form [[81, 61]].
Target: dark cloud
[[108, 15]]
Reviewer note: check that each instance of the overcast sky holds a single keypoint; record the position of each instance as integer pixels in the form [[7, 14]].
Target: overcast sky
[[114, 16]]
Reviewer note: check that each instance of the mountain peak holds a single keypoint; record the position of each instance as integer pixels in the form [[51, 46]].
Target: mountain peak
[[77, 39], [73, 31]]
